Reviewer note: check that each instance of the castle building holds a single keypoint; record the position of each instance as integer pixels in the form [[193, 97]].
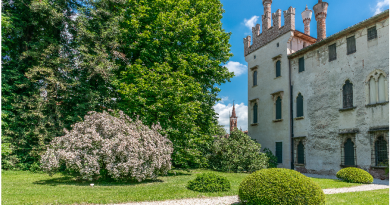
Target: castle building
[[320, 104]]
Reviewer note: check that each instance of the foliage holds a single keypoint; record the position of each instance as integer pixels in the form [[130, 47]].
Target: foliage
[[385, 164], [209, 182], [355, 175], [106, 145], [174, 52], [280, 186], [272, 159], [238, 152]]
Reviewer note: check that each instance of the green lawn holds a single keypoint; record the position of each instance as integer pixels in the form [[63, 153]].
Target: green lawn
[[375, 197], [22, 187]]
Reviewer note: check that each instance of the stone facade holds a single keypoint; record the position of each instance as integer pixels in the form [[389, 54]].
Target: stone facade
[[326, 125]]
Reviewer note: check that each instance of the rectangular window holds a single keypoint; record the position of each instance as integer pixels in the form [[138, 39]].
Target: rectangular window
[[279, 152], [332, 52], [371, 33], [301, 64], [351, 45]]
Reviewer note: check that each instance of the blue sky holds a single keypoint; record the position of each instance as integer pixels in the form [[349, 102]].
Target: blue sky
[[238, 18]]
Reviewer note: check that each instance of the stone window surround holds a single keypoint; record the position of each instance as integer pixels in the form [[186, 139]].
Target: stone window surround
[[253, 69], [275, 96], [342, 96], [344, 136], [296, 142], [276, 59], [376, 74], [251, 104], [374, 134], [296, 107]]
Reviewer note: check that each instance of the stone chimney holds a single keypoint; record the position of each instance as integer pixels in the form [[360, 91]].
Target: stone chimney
[[320, 11], [266, 18], [306, 16]]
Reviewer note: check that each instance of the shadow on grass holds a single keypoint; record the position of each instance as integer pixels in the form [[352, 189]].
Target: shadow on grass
[[69, 180]]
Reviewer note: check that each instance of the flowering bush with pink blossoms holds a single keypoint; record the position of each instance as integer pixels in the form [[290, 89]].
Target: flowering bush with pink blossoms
[[119, 147]]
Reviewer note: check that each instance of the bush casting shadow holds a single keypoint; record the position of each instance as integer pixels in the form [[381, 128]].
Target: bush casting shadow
[[69, 180]]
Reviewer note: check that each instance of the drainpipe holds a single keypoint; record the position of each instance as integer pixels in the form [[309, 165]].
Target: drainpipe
[[291, 115]]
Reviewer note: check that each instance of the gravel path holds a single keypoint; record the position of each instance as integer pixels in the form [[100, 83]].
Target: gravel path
[[230, 200]]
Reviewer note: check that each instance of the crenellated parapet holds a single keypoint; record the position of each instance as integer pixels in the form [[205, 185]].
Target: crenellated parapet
[[268, 33]]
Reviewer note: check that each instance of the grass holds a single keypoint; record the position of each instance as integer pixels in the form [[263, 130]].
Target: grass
[[23, 187], [377, 197]]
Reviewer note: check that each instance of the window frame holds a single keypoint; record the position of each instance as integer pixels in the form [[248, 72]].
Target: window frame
[[301, 64], [254, 78], [278, 98], [377, 163], [347, 95], [350, 151], [351, 45], [299, 114], [276, 68], [279, 152], [372, 33], [255, 113], [330, 48], [300, 158]]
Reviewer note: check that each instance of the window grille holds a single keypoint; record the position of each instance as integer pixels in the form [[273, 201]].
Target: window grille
[[351, 45], [277, 68], [278, 108], [255, 113], [371, 33], [380, 151], [332, 52], [299, 105], [301, 64], [255, 78], [279, 152], [347, 95], [349, 153], [301, 153]]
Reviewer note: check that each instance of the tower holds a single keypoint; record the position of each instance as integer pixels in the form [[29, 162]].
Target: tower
[[306, 16], [233, 119], [266, 18], [320, 11]]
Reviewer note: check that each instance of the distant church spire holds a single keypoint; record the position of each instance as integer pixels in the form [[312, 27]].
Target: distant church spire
[[233, 119]]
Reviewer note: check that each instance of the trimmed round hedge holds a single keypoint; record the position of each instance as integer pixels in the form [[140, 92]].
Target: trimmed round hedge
[[209, 182], [355, 175], [280, 186]]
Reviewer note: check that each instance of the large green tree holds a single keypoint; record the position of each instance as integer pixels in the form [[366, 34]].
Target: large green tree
[[174, 52]]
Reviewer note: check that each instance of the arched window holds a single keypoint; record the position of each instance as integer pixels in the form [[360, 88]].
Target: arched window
[[380, 151], [299, 105], [279, 108], [372, 91], [301, 153], [347, 95], [277, 68], [381, 89], [255, 113], [255, 78], [349, 153]]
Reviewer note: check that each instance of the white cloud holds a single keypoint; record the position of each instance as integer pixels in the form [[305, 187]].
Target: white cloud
[[251, 22], [223, 99], [381, 5], [241, 112], [236, 67]]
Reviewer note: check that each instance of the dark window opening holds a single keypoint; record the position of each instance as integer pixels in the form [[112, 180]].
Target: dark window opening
[[279, 153], [277, 68], [255, 78], [299, 105], [332, 52], [371, 33], [255, 113], [347, 95], [380, 151], [278, 108], [351, 45], [254, 56], [301, 153], [349, 153], [301, 64], [277, 45]]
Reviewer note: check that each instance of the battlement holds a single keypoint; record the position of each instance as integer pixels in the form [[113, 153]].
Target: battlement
[[269, 34]]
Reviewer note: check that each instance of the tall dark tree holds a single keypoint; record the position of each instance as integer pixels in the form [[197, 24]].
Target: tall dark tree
[[174, 51]]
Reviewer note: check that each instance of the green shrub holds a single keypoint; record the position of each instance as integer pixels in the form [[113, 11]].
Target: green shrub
[[236, 153], [209, 182], [280, 186], [272, 159], [355, 175]]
